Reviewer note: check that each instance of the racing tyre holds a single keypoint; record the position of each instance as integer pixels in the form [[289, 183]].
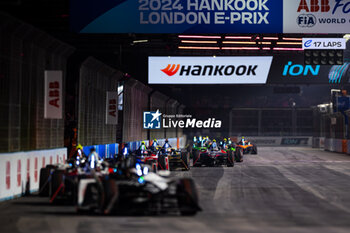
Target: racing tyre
[[162, 163], [254, 150], [185, 157], [238, 155], [111, 196], [187, 197], [196, 163], [56, 188], [230, 162], [44, 186]]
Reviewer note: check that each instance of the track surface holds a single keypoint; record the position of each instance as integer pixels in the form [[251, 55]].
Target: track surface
[[279, 190]]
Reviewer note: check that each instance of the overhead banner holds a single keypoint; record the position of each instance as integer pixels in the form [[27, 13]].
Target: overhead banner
[[112, 108], [176, 16], [316, 16], [208, 70], [210, 16], [53, 94]]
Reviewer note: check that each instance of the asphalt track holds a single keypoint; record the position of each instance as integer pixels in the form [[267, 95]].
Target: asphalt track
[[279, 190]]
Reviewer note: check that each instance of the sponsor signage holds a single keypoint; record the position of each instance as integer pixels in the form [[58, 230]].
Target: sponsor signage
[[157, 120], [176, 16], [208, 70], [324, 43], [316, 16], [287, 69], [112, 108], [53, 94]]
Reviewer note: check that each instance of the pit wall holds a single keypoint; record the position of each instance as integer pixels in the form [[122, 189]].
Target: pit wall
[[20, 171]]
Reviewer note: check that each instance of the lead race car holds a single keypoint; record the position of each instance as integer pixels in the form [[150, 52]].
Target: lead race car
[[247, 147], [137, 190], [214, 156]]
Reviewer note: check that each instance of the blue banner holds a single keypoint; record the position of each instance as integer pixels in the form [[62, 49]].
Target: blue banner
[[177, 16]]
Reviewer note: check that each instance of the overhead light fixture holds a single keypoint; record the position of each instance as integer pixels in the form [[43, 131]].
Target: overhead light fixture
[[289, 43], [270, 38], [240, 48], [238, 42], [192, 47], [140, 41], [199, 37], [288, 38], [199, 41], [239, 37], [288, 49], [264, 42]]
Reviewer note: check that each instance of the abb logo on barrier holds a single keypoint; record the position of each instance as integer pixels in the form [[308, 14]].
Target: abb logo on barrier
[[314, 6], [19, 173], [171, 70], [8, 175], [36, 170], [28, 169]]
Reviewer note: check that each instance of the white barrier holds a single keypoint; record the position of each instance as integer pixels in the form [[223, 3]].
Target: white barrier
[[20, 171], [318, 142], [280, 141]]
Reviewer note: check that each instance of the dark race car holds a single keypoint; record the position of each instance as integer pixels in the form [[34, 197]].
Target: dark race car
[[137, 190], [213, 157], [178, 159]]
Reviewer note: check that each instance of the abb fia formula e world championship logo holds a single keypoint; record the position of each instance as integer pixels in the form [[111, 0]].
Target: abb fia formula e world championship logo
[[171, 69]]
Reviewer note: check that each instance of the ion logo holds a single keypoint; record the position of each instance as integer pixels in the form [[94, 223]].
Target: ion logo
[[151, 120], [308, 20], [296, 70], [171, 70]]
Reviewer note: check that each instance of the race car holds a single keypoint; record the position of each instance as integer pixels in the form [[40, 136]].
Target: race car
[[137, 190], [59, 182], [153, 157], [213, 157], [178, 159], [247, 146]]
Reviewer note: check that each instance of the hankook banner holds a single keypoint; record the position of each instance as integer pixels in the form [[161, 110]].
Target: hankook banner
[[208, 70]]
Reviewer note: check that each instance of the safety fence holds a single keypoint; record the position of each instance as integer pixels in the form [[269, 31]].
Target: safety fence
[[20, 171]]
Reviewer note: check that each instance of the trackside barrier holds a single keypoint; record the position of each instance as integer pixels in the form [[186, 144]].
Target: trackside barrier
[[20, 171], [279, 141], [104, 151], [318, 142], [336, 145]]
